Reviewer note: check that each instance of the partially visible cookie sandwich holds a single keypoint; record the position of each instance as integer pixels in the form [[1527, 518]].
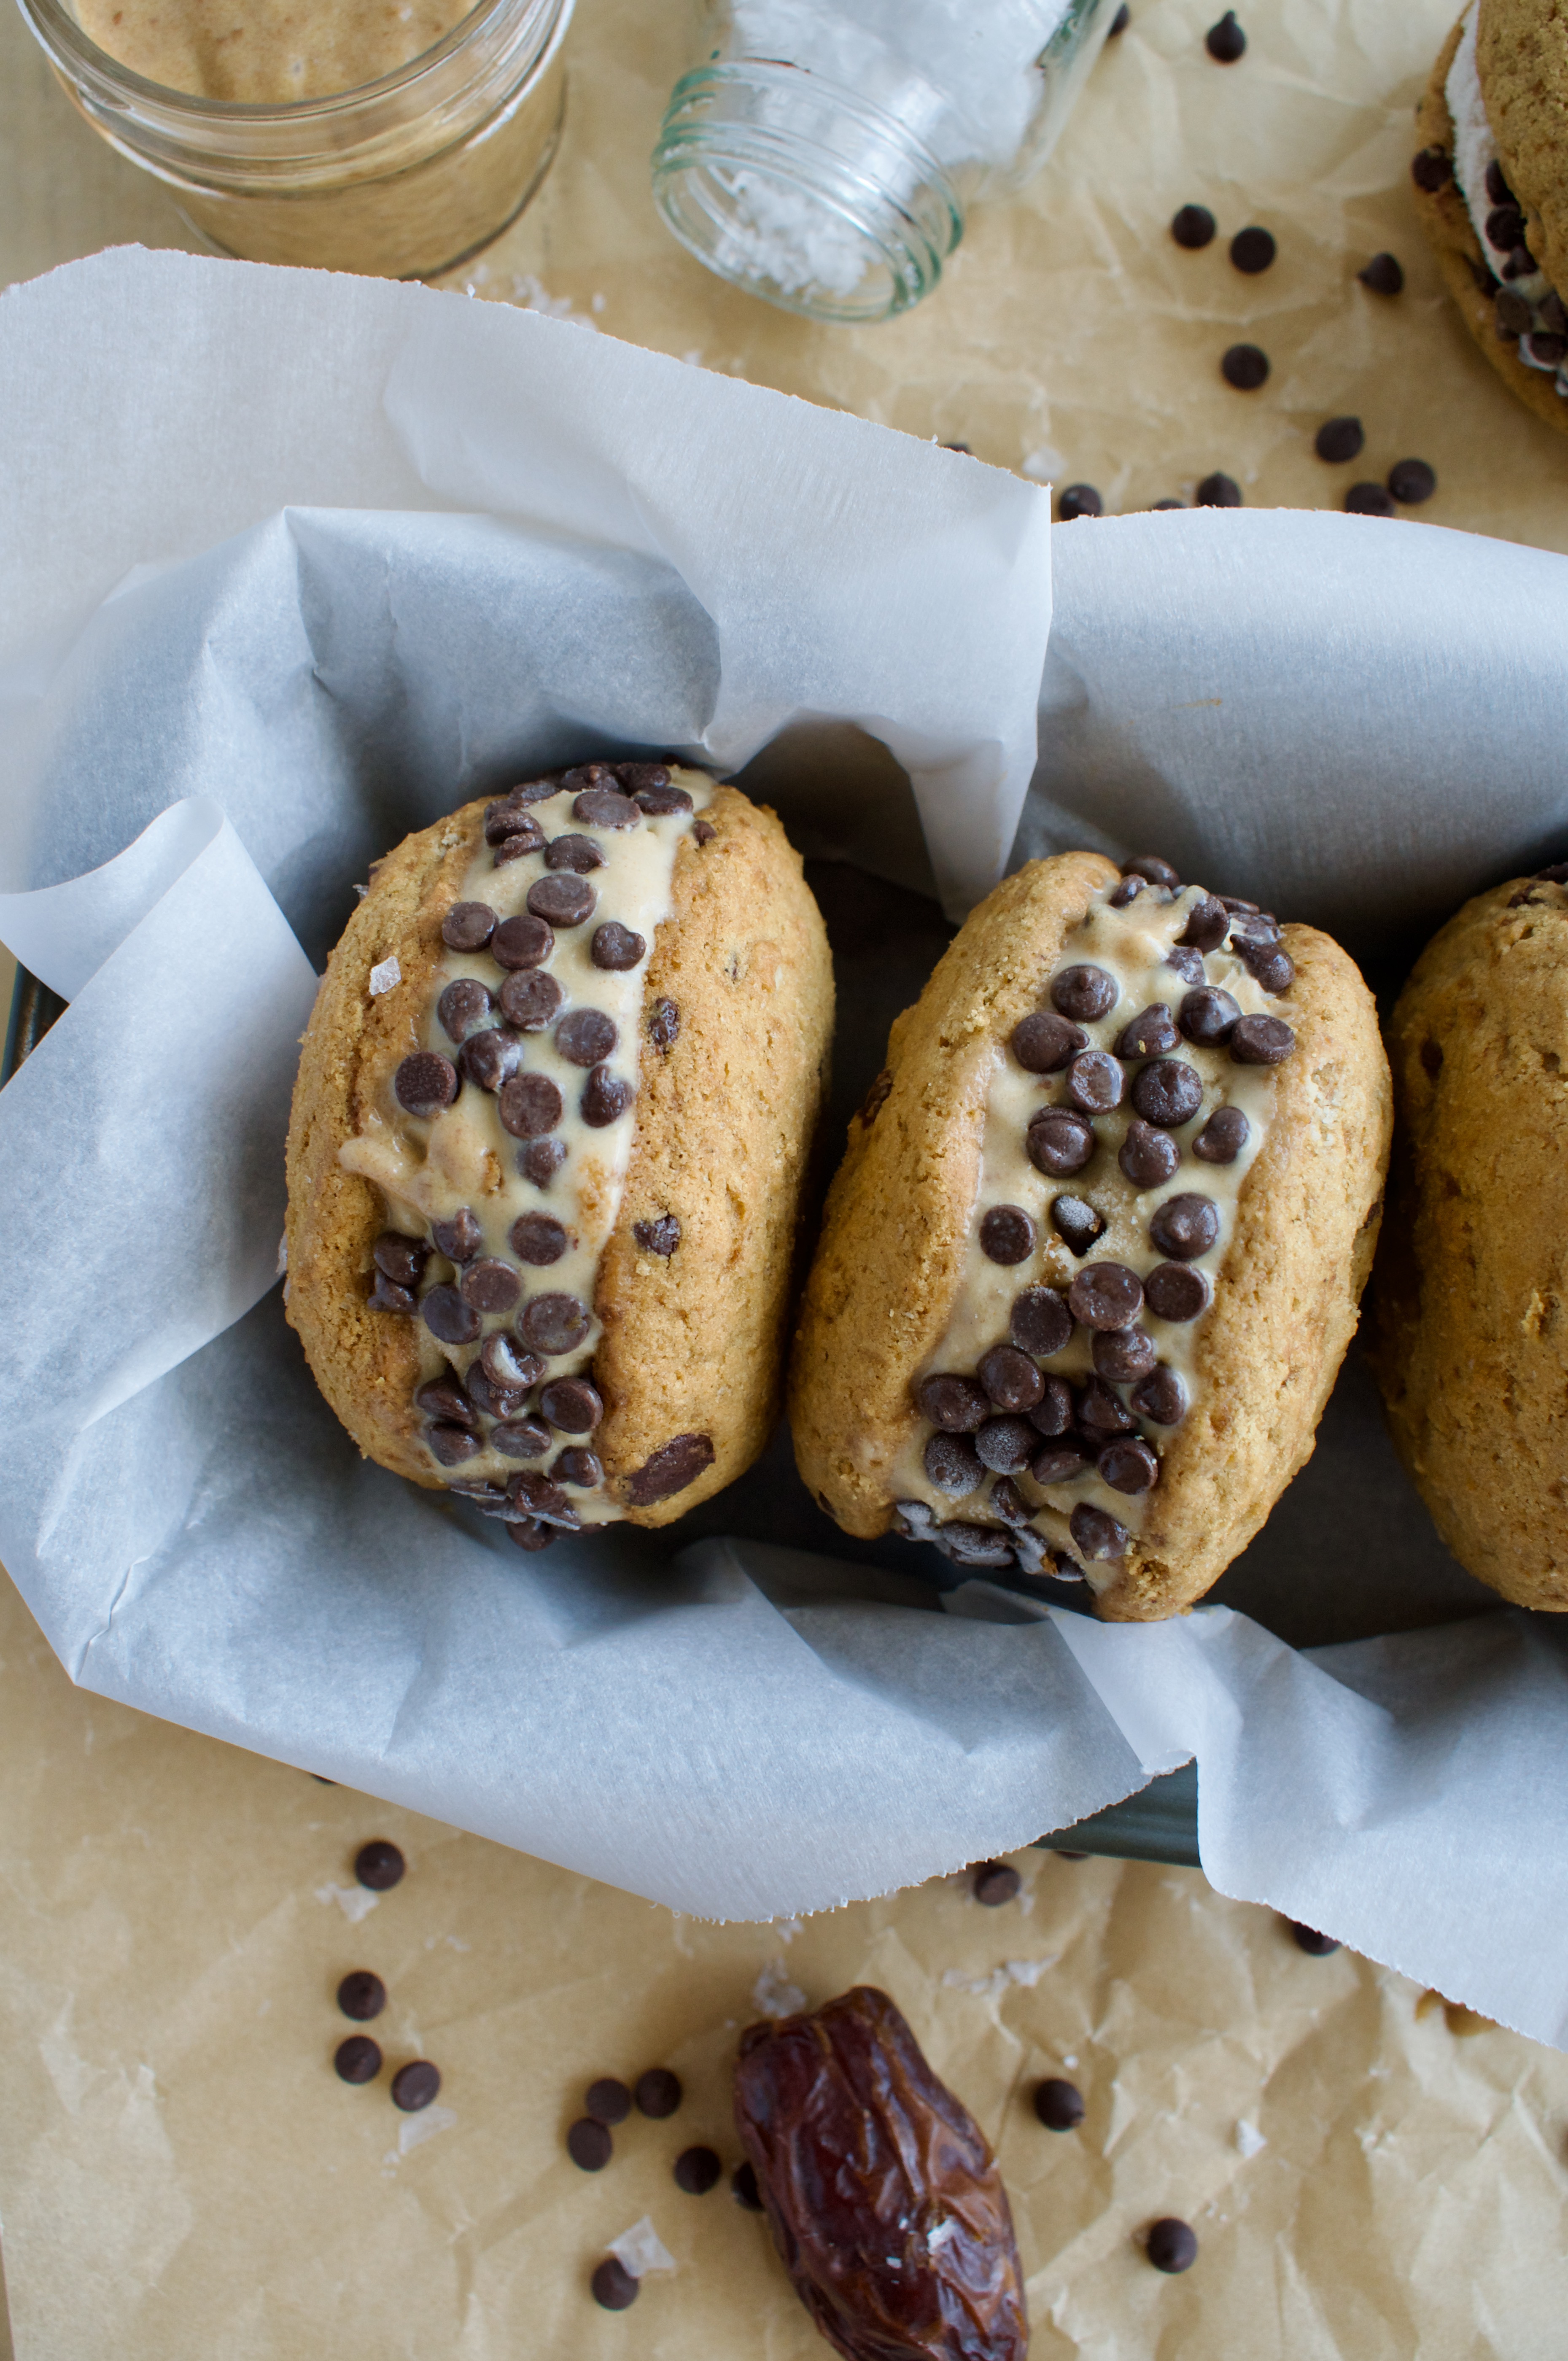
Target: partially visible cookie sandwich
[[551, 1123], [1470, 1326], [1492, 186], [1095, 1251]]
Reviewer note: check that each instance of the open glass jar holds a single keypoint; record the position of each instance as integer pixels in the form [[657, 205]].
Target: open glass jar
[[825, 151], [400, 177]]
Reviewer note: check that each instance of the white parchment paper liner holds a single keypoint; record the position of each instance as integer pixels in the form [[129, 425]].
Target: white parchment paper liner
[[225, 694]]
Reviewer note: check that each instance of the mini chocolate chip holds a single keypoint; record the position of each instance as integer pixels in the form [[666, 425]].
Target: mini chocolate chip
[[1079, 501], [1008, 1503], [1237, 907], [1052, 1414], [958, 1405], [1161, 1397], [495, 1401], [522, 941], [380, 1865], [1367, 500], [1147, 1157], [1076, 1223], [425, 1082], [521, 1438], [1497, 190], [1155, 507], [1097, 1535], [1010, 1377], [452, 1445], [1167, 1092], [1095, 1083], [1119, 22], [1153, 869], [1383, 275], [386, 1295], [577, 854], [362, 1995], [1262, 1041], [617, 948], [518, 843], [658, 1237], [993, 1883], [1511, 313], [585, 1035], [540, 1161], [658, 803], [529, 1105], [487, 1059], [491, 1286], [1208, 923], [1431, 169], [1412, 481], [1084, 993], [1003, 1444], [1099, 1411], [1187, 962], [1253, 251], [658, 2093], [460, 1238], [1556, 876], [538, 1238], [670, 1469], [357, 2059], [1120, 1355], [608, 2101], [1339, 439], [580, 1468], [461, 1006], [1505, 228], [583, 775], [1174, 1293], [1171, 2245], [1225, 41], [663, 1026], [467, 926], [1060, 1142], [605, 1097], [1106, 1295], [415, 2085], [1208, 1016], [1545, 348], [1185, 1226], [606, 808], [573, 1405], [1193, 226], [448, 1317], [442, 1398], [505, 819], [1040, 1323], [530, 999], [536, 1495], [553, 1325], [704, 830], [1308, 1939], [1058, 2105], [591, 2148], [612, 2286], [1223, 1138], [1128, 1466], [564, 900], [1126, 892], [1006, 1234], [953, 1465], [697, 2170], [1059, 1463], [1043, 1043], [1219, 491], [528, 1533], [1150, 1035], [1553, 313], [1244, 365], [402, 1259], [1267, 962]]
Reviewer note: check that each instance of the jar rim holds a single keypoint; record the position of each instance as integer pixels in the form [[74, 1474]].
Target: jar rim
[[108, 82]]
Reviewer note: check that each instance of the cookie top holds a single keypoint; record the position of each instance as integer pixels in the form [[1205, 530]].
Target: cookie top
[[1470, 1341], [562, 1039], [1522, 55], [1189, 1296]]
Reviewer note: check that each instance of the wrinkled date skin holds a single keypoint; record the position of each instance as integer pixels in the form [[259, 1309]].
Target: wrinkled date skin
[[884, 2198]]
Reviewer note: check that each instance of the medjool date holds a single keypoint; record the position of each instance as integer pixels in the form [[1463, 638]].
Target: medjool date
[[883, 2195]]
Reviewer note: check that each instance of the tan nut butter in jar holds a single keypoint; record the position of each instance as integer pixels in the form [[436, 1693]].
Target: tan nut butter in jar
[[391, 138]]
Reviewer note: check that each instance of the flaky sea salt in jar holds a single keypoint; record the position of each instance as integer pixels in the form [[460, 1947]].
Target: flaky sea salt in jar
[[361, 135], [825, 151]]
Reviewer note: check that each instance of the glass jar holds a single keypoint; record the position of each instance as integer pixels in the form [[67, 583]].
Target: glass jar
[[825, 152], [399, 179]]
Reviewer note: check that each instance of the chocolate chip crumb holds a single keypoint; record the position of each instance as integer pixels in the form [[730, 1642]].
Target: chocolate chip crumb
[[1193, 226], [704, 831], [1383, 275], [663, 1026], [1079, 501], [1339, 439], [379, 1865], [1059, 2104], [661, 1236], [1253, 251], [995, 1882]]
